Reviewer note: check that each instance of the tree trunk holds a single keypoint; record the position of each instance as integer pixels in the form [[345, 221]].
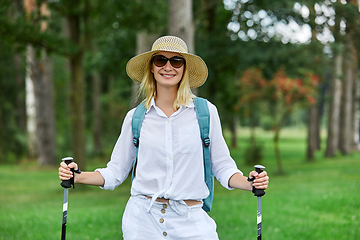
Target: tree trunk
[[181, 24], [77, 91], [144, 42], [350, 66], [312, 134], [39, 88], [355, 113], [45, 114], [313, 138], [354, 34], [30, 104], [354, 141], [332, 142], [346, 104], [335, 94]]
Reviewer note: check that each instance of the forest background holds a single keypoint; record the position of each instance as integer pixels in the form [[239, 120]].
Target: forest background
[[64, 90], [272, 65]]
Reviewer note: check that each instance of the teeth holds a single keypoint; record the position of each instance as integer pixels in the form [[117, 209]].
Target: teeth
[[166, 75]]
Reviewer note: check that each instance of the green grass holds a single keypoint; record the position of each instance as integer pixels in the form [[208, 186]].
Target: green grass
[[317, 200]]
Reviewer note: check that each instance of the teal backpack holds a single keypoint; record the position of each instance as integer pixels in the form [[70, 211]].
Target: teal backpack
[[203, 116]]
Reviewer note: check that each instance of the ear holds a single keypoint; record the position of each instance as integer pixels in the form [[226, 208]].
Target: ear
[[152, 68]]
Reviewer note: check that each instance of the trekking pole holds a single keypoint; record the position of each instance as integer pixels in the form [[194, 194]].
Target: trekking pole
[[66, 184], [258, 193]]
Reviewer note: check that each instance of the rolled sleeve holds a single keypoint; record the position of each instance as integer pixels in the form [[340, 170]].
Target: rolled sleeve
[[224, 180], [109, 178]]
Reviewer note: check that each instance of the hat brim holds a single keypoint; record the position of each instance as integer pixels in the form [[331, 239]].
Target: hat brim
[[196, 67]]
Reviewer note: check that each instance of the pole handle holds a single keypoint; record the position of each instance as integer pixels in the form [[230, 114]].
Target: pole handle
[[258, 192], [70, 182]]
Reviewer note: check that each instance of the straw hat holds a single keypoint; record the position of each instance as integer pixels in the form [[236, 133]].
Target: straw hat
[[195, 66]]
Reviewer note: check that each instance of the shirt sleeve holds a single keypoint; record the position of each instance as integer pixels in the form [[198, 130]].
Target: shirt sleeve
[[122, 157], [223, 166]]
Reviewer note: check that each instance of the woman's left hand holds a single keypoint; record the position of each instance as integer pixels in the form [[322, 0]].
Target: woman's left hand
[[261, 180]]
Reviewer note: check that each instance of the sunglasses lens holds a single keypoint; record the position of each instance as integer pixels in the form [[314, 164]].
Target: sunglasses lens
[[160, 60], [177, 62]]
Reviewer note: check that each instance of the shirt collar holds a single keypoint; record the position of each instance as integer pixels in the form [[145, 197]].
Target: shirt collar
[[152, 104]]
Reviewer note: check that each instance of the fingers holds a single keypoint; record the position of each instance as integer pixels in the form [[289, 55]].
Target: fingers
[[261, 180], [261, 185], [65, 173], [64, 170], [253, 174]]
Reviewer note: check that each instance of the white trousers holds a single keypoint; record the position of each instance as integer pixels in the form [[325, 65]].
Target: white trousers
[[143, 220]]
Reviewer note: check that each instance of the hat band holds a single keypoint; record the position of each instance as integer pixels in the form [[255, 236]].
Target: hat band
[[166, 46]]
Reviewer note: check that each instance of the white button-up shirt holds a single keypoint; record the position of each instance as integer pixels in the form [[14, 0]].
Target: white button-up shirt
[[170, 156]]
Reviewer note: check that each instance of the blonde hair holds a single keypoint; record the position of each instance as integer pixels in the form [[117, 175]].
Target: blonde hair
[[148, 89]]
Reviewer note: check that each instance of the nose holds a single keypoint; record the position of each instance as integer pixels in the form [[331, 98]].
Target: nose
[[168, 65]]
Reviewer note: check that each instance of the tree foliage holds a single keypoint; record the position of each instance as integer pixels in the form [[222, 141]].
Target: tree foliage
[[277, 97], [249, 62]]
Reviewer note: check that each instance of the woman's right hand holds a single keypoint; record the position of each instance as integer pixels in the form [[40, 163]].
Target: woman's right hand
[[64, 170]]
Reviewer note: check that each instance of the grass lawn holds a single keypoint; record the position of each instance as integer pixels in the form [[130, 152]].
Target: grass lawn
[[319, 200]]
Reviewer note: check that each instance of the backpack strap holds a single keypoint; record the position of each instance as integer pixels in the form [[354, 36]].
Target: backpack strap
[[203, 116], [136, 123]]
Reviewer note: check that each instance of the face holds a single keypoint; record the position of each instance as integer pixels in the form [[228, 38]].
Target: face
[[167, 76]]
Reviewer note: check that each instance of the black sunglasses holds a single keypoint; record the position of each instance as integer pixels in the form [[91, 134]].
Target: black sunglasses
[[160, 61]]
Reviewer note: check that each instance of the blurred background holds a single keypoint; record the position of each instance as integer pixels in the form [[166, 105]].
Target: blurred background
[[283, 75]]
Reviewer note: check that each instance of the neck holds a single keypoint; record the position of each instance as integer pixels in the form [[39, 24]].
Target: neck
[[165, 98]]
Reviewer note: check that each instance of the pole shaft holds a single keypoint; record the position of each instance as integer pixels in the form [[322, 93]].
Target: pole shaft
[[259, 220], [64, 219]]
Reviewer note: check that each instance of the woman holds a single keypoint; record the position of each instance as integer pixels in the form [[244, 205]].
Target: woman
[[167, 192]]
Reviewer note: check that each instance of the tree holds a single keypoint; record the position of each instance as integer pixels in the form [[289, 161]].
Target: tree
[[180, 22], [313, 121], [351, 16], [333, 126], [111, 44], [39, 68], [285, 94], [30, 106], [251, 96], [74, 16], [30, 93]]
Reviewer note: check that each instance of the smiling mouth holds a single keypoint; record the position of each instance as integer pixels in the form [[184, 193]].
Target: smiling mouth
[[168, 75]]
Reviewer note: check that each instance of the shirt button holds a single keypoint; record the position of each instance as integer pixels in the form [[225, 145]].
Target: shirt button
[[164, 206], [162, 210], [165, 234], [161, 220]]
